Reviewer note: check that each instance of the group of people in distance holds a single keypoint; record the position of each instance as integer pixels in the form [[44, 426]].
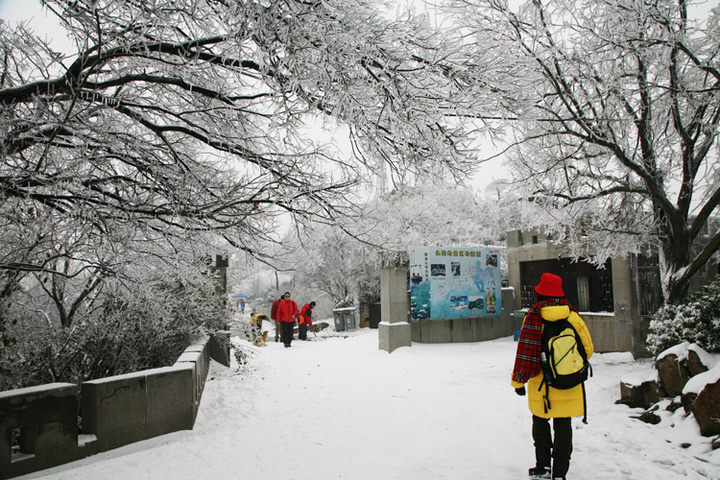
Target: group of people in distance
[[285, 313]]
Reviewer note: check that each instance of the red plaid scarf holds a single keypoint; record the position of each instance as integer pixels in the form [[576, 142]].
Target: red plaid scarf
[[527, 358]]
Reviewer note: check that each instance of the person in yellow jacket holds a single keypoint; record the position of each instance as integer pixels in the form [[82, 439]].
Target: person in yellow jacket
[[552, 455]]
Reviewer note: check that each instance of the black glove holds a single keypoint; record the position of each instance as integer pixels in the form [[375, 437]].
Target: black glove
[[520, 391]]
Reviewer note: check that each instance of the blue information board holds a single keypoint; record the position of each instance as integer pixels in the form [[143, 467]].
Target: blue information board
[[454, 282]]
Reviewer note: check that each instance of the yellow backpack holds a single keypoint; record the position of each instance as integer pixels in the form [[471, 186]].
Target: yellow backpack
[[567, 363], [564, 360]]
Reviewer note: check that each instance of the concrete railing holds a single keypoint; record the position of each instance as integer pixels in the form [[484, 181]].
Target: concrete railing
[[39, 425]]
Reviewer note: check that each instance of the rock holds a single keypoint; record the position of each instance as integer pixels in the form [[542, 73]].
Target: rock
[[688, 400], [640, 396], [696, 374], [715, 444], [706, 409], [317, 327], [694, 364], [673, 374], [675, 405], [648, 417]]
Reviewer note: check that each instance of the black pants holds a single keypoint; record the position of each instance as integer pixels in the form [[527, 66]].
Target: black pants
[[558, 450], [302, 331], [287, 332]]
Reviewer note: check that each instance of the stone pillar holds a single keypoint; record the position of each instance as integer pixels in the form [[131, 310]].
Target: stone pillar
[[394, 329], [218, 268], [514, 243]]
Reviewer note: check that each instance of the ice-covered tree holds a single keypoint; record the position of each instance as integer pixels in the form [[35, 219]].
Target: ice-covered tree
[[615, 119], [344, 260], [177, 118], [178, 123], [437, 215], [337, 264], [141, 318]]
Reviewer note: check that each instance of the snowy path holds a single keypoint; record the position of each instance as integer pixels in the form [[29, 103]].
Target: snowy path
[[340, 408]]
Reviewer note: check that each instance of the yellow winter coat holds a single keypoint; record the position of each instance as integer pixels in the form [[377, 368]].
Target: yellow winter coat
[[563, 403]]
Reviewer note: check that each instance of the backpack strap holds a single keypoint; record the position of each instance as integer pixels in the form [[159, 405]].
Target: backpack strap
[[581, 347], [583, 354]]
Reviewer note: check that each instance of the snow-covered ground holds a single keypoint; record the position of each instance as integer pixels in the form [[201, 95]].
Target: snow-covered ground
[[337, 407]]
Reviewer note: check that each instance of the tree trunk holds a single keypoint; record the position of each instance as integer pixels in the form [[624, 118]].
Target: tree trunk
[[676, 251]]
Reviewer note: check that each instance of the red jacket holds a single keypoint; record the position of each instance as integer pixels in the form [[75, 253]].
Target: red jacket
[[287, 311], [306, 315], [273, 309]]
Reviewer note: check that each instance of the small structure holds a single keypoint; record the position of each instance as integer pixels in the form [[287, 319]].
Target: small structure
[[616, 301], [218, 270], [345, 319]]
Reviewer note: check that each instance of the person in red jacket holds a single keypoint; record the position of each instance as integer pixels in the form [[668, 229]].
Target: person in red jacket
[[287, 313], [305, 320], [273, 316]]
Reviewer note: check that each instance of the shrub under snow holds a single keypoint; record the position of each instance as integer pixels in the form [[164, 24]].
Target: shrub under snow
[[696, 321]]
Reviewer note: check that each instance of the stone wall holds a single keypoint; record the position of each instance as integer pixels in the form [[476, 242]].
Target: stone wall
[[129, 408], [43, 421], [43, 426], [608, 333]]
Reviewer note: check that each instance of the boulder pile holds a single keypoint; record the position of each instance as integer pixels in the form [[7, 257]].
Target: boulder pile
[[690, 378]]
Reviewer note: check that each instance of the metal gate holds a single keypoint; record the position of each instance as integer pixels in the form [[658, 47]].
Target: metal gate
[[586, 287], [648, 284]]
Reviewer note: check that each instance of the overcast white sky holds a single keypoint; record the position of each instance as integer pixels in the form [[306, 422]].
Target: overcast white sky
[[40, 21]]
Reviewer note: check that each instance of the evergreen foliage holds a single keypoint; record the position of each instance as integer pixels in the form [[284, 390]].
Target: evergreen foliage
[[695, 321]]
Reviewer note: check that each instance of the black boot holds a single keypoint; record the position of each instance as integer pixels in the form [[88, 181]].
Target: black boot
[[542, 463], [560, 468], [539, 472]]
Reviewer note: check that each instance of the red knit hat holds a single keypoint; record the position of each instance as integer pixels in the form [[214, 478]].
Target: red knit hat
[[550, 286]]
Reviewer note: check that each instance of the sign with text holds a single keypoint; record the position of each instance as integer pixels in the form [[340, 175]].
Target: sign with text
[[454, 282]]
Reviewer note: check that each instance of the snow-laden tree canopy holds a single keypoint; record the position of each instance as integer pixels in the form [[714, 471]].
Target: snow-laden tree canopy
[[346, 265], [615, 122], [175, 119]]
